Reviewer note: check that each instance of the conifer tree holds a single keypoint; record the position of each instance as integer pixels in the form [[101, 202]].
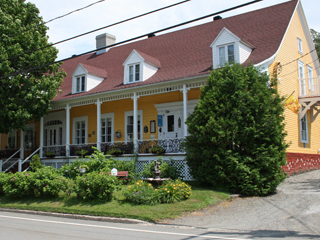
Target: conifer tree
[[237, 136]]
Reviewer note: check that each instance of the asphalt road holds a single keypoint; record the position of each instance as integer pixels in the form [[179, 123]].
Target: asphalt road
[[292, 213]]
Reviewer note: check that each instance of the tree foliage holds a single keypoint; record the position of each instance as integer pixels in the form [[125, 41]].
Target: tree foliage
[[26, 96], [316, 40], [237, 137]]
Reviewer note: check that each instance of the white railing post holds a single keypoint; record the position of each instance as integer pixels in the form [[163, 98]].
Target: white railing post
[[0, 166], [19, 165], [185, 110], [135, 122], [21, 145], [41, 137], [98, 124], [68, 130]]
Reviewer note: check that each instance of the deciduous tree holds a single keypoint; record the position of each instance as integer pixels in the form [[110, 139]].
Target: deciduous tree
[[26, 96]]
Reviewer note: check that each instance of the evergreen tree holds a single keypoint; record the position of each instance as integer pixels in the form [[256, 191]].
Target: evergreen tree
[[237, 137], [27, 96]]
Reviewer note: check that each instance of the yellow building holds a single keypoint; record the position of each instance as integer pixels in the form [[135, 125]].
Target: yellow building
[[138, 95]]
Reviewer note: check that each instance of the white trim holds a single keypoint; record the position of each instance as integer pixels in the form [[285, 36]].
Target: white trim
[[29, 126], [107, 115], [131, 113], [78, 119], [300, 49], [305, 117], [217, 37], [15, 139]]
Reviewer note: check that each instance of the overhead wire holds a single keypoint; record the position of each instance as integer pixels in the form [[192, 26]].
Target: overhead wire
[[132, 39], [95, 30], [77, 10]]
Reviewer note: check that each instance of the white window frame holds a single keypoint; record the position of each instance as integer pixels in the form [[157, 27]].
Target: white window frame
[[134, 73], [104, 116], [300, 46], [55, 126], [15, 139], [226, 54], [26, 133], [82, 82], [79, 119], [304, 120], [310, 78], [130, 113], [301, 75]]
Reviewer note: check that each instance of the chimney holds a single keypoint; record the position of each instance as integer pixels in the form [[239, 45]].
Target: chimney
[[103, 40]]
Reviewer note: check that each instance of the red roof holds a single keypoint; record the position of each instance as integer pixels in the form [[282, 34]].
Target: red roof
[[184, 53], [96, 71]]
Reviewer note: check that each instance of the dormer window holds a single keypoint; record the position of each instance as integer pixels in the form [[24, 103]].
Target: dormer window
[[134, 73], [226, 54], [139, 67], [85, 78], [81, 84]]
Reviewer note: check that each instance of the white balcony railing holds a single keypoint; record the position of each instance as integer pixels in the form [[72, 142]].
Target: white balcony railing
[[309, 87]]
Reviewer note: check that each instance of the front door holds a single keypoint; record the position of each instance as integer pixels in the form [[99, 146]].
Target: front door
[[172, 125], [53, 136]]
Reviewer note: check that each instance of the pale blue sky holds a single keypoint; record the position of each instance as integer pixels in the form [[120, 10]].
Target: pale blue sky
[[111, 11]]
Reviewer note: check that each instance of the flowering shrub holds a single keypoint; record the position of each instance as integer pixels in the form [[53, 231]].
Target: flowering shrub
[[141, 193], [18, 185], [96, 185], [170, 191], [47, 182], [173, 191], [3, 179]]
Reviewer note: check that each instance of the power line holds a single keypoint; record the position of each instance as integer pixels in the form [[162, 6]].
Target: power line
[[135, 38], [52, 20], [298, 69], [98, 29], [298, 58]]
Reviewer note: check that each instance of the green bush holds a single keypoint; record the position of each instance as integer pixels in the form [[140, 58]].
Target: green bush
[[82, 152], [168, 170], [96, 185], [237, 137], [47, 182], [170, 191], [115, 152], [3, 179], [50, 154], [124, 166], [19, 185], [35, 163]]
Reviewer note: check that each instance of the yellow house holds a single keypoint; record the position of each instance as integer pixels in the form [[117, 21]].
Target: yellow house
[[138, 95]]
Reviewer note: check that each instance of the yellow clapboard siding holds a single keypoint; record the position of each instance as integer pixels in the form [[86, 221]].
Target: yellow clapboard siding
[[289, 83]]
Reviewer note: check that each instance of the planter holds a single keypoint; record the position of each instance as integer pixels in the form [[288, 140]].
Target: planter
[[82, 170]]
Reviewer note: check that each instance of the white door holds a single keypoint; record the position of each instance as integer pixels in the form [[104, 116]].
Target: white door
[[53, 136], [172, 125]]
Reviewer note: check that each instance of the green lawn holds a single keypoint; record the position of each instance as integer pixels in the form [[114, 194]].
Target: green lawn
[[201, 198]]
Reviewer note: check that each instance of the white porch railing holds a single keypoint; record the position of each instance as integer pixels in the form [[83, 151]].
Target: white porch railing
[[7, 161], [309, 87]]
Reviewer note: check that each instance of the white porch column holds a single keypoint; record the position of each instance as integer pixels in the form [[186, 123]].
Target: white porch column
[[185, 109], [99, 123], [0, 166], [41, 137], [21, 145], [135, 122], [68, 130]]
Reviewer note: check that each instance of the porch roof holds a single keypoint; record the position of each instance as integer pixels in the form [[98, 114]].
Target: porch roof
[[185, 53]]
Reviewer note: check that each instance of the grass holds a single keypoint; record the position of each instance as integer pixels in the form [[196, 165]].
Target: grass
[[118, 207]]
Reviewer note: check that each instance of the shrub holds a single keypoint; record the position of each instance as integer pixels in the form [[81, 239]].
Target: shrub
[[3, 179], [35, 163], [141, 192], [171, 191], [124, 166], [96, 185], [47, 182], [18, 185], [237, 137], [157, 150], [82, 152]]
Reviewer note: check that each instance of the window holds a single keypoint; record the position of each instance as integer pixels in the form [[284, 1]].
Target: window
[[129, 125], [310, 79], [134, 73], [28, 138], [226, 54], [301, 78], [300, 46], [80, 83], [107, 127], [80, 130], [12, 139], [52, 133], [304, 129]]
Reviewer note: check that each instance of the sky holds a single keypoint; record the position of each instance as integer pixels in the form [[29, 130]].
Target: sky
[[112, 11]]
